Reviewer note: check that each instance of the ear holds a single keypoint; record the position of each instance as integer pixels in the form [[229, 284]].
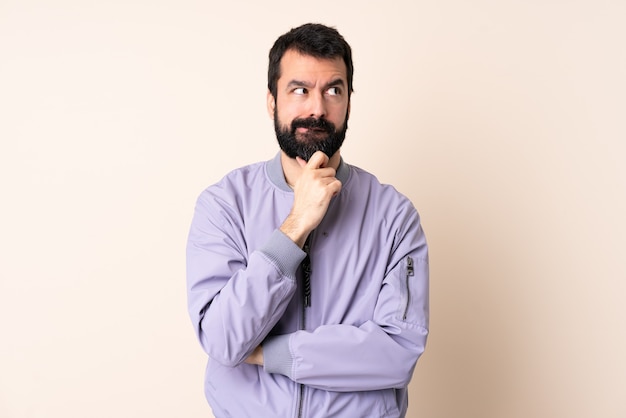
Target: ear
[[271, 105]]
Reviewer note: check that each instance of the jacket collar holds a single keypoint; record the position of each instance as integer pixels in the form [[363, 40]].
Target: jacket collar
[[276, 175]]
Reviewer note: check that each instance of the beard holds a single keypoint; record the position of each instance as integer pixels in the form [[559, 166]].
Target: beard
[[321, 135]]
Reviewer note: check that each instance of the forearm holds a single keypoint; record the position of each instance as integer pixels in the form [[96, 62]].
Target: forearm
[[239, 316], [345, 358], [244, 312]]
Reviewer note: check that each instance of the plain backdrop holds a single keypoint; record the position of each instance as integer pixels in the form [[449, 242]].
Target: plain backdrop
[[503, 121]]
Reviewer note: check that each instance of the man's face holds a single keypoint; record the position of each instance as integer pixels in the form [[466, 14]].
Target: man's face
[[311, 107]]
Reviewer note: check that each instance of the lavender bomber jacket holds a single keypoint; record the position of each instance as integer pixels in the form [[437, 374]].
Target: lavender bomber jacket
[[351, 352]]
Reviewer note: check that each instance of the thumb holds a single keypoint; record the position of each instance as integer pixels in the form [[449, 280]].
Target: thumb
[[318, 160]]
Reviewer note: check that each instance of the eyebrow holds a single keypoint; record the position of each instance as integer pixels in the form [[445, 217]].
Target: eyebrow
[[332, 83], [336, 82]]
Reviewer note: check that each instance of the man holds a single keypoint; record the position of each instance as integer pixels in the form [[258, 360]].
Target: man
[[308, 279]]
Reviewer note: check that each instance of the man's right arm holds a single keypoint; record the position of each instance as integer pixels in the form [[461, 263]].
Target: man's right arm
[[234, 300]]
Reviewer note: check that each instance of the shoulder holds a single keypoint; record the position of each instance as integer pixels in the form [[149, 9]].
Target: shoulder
[[234, 187], [362, 182], [382, 209], [237, 181], [243, 176]]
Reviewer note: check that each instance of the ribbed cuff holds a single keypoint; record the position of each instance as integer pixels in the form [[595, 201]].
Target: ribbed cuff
[[277, 356], [284, 253]]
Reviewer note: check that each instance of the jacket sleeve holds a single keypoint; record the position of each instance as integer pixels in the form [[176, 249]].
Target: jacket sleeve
[[381, 352], [222, 279]]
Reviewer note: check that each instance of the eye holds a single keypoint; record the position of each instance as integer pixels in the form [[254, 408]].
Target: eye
[[299, 90], [334, 91]]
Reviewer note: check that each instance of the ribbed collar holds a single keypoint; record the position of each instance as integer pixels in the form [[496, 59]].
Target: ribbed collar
[[276, 175]]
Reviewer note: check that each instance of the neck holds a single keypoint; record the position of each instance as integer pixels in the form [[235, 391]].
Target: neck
[[292, 169]]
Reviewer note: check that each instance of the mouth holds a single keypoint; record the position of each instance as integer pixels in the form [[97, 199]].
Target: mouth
[[303, 130]]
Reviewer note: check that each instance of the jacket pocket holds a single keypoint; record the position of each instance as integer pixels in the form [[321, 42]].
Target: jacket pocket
[[409, 272], [411, 279]]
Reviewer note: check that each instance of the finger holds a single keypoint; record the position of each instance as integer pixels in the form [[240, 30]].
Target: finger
[[318, 160], [335, 187], [326, 172], [301, 162]]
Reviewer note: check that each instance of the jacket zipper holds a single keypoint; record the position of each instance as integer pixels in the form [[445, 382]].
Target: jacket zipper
[[410, 271], [306, 299], [300, 401], [306, 270]]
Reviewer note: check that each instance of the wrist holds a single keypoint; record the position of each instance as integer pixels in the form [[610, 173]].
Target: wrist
[[294, 231]]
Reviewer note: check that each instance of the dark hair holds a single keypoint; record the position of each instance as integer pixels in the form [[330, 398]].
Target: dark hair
[[312, 39]]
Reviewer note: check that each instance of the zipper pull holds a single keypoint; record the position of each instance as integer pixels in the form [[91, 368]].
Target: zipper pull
[[410, 270]]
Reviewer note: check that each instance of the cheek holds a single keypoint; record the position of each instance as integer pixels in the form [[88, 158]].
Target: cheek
[[291, 107], [286, 114], [340, 115], [283, 120], [289, 113]]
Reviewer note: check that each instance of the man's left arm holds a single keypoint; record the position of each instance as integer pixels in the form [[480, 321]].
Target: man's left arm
[[380, 353]]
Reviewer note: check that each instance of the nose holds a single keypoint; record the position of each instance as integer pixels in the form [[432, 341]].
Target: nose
[[317, 105]]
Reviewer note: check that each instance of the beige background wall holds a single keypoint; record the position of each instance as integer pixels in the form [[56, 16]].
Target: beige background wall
[[502, 120]]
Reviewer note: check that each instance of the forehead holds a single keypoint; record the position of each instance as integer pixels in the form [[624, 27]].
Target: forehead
[[297, 66]]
